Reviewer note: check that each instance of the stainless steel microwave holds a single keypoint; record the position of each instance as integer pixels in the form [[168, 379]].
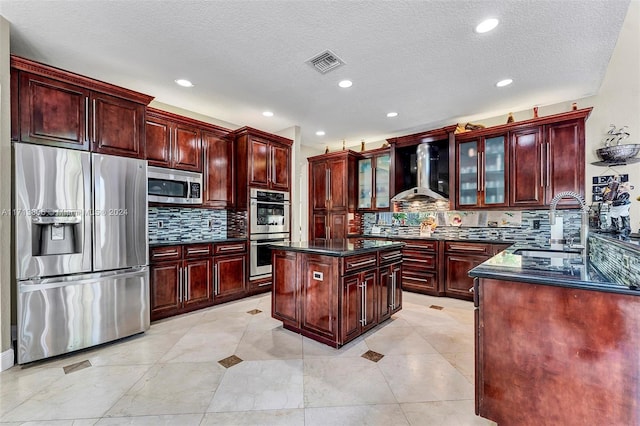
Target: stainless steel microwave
[[173, 186]]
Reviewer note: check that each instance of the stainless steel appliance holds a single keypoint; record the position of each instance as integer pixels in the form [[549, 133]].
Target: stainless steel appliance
[[425, 171], [260, 254], [81, 249], [173, 186], [269, 211]]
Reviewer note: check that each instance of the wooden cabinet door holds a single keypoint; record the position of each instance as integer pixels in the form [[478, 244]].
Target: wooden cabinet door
[[319, 296], [338, 225], [396, 299], [457, 280], [384, 293], [164, 282], [230, 275], [218, 171], [187, 148], [565, 159], [158, 141], [53, 112], [197, 285], [258, 164], [319, 226], [526, 168], [280, 167], [351, 305], [338, 184], [318, 187], [117, 126], [369, 300], [285, 284]]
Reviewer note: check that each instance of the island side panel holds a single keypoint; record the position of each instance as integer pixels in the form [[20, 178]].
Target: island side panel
[[285, 300], [555, 355], [320, 295]]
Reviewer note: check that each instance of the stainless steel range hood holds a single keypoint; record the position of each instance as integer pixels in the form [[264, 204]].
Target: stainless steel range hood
[[422, 192]]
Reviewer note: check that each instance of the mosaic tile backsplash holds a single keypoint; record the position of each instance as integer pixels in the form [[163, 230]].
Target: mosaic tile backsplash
[[617, 262], [501, 225], [190, 224]]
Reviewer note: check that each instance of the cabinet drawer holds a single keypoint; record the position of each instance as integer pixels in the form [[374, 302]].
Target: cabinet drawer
[[390, 256], [197, 250], [160, 254], [419, 281], [428, 261], [230, 248], [353, 263], [421, 245], [471, 248]]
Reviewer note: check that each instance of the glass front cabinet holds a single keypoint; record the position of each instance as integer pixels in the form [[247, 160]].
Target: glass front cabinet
[[482, 171], [373, 180]]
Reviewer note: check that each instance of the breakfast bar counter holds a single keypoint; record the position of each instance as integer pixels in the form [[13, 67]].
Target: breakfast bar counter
[[335, 290]]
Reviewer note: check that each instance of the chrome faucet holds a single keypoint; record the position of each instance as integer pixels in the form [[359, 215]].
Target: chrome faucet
[[584, 227]]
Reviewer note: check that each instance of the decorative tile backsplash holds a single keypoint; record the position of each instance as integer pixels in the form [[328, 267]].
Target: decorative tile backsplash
[[186, 224], [617, 262], [519, 225]]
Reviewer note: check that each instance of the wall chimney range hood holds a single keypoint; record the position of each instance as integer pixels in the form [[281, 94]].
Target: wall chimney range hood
[[428, 158]]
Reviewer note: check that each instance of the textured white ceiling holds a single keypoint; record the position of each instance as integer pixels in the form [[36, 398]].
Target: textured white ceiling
[[419, 58]]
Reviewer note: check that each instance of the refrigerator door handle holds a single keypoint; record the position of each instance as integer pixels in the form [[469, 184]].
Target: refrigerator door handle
[[48, 283]]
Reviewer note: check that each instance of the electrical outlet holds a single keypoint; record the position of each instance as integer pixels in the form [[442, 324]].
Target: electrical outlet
[[160, 224], [536, 224]]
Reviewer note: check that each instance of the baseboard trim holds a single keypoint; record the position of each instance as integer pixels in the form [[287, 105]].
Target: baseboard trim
[[6, 359]]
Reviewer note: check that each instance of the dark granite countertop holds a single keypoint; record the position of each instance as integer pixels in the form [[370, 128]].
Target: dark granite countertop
[[435, 237], [577, 273], [338, 247], [181, 243]]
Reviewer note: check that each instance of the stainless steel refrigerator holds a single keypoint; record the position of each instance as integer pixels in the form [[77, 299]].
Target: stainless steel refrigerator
[[81, 249]]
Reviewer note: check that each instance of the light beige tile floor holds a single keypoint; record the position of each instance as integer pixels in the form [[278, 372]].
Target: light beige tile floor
[[170, 375]]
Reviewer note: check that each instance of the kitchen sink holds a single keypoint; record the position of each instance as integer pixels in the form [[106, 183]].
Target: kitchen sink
[[549, 254]]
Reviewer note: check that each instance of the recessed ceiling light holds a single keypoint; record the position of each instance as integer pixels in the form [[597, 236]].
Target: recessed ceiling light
[[345, 83], [505, 82], [487, 25], [184, 83], [392, 114], [319, 133], [267, 114]]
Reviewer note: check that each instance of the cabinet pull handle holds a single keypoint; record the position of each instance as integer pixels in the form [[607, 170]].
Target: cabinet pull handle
[[364, 304], [94, 120], [180, 285], [415, 246], [365, 262], [189, 251], [215, 280], [329, 186], [361, 304], [228, 248], [482, 163], [391, 256], [186, 283], [264, 284], [466, 248], [542, 179], [169, 253], [471, 290], [328, 232], [86, 118], [326, 187], [478, 171], [548, 163]]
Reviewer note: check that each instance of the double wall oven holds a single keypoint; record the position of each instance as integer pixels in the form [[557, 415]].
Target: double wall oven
[[268, 224]]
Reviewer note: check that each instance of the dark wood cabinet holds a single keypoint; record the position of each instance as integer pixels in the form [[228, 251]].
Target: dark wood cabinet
[[374, 180], [194, 276], [528, 166], [173, 141], [55, 107], [264, 160], [334, 299], [332, 195], [219, 170], [230, 271], [460, 258], [420, 267], [565, 159]]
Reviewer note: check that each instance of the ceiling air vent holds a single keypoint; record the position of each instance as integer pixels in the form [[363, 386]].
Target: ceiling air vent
[[325, 61]]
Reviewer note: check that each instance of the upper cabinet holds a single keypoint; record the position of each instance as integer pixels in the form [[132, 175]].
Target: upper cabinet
[[219, 170], [264, 160], [173, 141], [373, 180], [55, 107], [482, 171], [541, 157]]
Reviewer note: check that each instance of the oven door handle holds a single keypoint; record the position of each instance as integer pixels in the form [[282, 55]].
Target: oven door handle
[[263, 242]]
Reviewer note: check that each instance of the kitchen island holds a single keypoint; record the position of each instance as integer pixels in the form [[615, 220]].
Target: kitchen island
[[332, 291], [558, 340]]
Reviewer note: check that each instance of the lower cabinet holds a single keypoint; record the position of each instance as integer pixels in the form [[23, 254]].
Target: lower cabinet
[[189, 277], [335, 299], [460, 258], [420, 267]]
